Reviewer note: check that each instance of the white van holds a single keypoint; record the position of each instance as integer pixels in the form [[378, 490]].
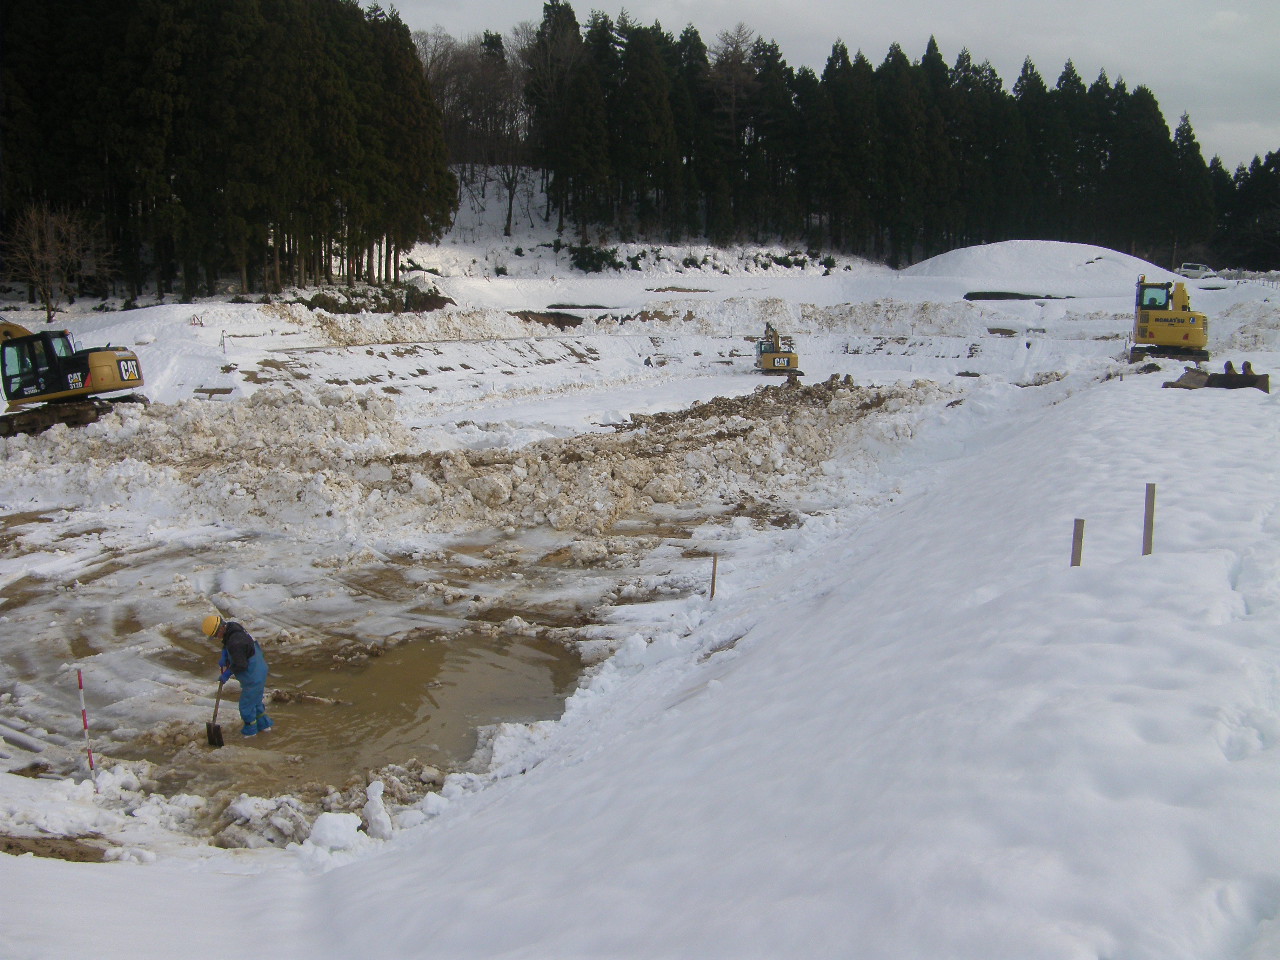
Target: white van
[[1196, 271]]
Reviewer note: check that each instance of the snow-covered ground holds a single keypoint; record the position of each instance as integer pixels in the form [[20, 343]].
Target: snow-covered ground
[[904, 727]]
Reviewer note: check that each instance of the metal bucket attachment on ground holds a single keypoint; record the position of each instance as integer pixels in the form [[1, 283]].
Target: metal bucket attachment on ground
[[1193, 378]]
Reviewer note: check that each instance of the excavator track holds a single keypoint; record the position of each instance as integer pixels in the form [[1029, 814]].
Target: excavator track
[[75, 413]]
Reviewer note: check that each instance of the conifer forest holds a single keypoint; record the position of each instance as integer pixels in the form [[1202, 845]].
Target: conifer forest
[[297, 142]]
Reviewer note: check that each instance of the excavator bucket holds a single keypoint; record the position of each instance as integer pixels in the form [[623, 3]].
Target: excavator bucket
[[1193, 378]]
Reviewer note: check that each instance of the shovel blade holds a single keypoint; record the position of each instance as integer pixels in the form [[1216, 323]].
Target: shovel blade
[[215, 734]]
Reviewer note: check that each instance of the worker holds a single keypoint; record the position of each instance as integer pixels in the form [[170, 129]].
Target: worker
[[242, 657]]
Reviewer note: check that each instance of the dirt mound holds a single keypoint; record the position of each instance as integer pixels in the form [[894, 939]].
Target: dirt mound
[[320, 460], [79, 849]]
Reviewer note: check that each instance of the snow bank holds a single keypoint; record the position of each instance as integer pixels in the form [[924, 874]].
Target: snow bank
[[1041, 268]]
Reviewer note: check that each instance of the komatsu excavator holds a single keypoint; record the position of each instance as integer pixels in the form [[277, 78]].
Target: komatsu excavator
[[1164, 325], [46, 380], [777, 354]]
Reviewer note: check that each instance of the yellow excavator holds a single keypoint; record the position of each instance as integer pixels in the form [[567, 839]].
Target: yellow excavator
[[1164, 325], [46, 380], [777, 354]]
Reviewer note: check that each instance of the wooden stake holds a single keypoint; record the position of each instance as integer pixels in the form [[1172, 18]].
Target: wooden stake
[[1077, 543], [84, 718], [1149, 523], [715, 562]]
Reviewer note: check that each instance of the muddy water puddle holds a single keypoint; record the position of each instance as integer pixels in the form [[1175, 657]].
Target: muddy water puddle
[[376, 660], [425, 699]]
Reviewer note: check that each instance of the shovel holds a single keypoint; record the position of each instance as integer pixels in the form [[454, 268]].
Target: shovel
[[213, 728]]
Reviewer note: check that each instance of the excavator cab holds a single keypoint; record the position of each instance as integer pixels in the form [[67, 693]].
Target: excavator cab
[[32, 366]]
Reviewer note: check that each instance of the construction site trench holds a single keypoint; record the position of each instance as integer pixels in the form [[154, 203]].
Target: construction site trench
[[481, 585]]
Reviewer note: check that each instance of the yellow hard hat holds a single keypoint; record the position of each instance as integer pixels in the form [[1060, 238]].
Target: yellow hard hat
[[210, 624]]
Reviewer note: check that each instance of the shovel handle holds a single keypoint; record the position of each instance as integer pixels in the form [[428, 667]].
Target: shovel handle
[[217, 700]]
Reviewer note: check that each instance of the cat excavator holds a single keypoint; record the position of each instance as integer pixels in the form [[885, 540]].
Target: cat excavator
[[47, 381], [776, 354]]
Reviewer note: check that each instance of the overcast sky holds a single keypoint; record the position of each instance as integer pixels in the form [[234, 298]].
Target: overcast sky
[[1217, 61]]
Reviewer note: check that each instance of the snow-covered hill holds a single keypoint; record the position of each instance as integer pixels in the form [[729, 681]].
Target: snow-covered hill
[[904, 727]]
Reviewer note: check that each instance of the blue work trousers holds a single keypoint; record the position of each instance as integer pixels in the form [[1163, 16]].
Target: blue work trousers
[[253, 683]]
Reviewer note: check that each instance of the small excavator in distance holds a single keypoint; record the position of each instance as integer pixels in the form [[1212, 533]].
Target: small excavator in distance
[[46, 380], [1164, 324], [777, 354]]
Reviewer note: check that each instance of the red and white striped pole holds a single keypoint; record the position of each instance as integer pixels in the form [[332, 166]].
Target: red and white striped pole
[[84, 716]]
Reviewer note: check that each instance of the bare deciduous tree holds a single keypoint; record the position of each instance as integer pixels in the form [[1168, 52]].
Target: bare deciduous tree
[[446, 71], [479, 84], [53, 251], [732, 76]]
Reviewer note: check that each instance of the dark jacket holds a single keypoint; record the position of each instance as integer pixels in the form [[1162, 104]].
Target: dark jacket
[[240, 647]]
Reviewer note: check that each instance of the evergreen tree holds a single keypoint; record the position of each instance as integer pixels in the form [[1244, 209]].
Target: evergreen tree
[[1193, 199], [1224, 200], [1142, 179], [646, 174], [603, 51], [555, 54], [1043, 135], [1255, 236], [323, 226], [271, 139], [1102, 204], [854, 186], [814, 153], [1011, 172], [138, 98], [769, 195], [948, 133], [586, 157], [701, 160], [905, 141], [27, 79], [1070, 156], [423, 192], [732, 80]]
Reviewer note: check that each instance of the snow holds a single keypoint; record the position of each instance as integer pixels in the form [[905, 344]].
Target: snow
[[904, 727], [335, 831]]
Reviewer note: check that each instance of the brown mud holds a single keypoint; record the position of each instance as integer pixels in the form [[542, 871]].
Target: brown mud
[[77, 849]]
